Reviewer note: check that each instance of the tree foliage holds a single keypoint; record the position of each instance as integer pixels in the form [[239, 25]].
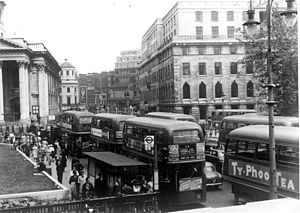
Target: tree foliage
[[283, 63]]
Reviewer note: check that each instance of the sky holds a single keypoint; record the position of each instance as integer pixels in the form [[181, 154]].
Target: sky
[[90, 34]]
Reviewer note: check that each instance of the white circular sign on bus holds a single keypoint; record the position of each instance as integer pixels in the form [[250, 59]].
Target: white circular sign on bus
[[149, 139]]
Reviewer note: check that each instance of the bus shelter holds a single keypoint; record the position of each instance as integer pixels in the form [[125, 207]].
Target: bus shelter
[[113, 167]]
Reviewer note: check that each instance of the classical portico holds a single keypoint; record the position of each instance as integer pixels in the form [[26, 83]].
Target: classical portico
[[29, 82]]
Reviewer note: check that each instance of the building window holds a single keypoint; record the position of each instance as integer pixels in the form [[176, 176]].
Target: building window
[[67, 72], [185, 50], [218, 68], [232, 49], [214, 16], [230, 16], [68, 101], [234, 90], [233, 68], [218, 90], [72, 72], [230, 31], [199, 32], [250, 90], [262, 16], [250, 106], [201, 50], [202, 90], [249, 68], [198, 15], [202, 69], [245, 16], [186, 68], [186, 91], [217, 50], [215, 32], [75, 89], [75, 98], [234, 106], [68, 89]]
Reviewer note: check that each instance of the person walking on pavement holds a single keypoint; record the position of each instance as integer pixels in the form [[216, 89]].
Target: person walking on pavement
[[81, 181], [100, 186], [73, 181], [63, 158], [87, 189], [59, 171]]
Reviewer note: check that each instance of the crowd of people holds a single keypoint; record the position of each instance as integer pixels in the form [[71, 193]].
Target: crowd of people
[[45, 151]]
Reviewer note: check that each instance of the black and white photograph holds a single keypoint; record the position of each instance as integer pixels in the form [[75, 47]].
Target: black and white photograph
[[139, 106]]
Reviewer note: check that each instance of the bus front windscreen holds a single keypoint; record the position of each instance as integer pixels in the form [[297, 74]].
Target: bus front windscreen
[[85, 120], [187, 136]]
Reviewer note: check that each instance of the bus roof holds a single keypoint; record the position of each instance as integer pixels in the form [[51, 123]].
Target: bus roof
[[117, 117], [78, 113], [234, 110], [260, 119], [260, 133], [170, 115], [168, 124]]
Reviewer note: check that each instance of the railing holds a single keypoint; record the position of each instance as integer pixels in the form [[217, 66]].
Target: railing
[[125, 204]]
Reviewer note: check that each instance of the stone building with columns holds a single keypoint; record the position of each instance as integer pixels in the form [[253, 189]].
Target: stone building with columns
[[190, 60], [29, 82]]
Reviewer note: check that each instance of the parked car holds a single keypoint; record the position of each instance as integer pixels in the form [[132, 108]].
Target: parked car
[[213, 178]]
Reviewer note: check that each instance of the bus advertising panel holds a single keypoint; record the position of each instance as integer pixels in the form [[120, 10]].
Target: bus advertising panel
[[258, 173]]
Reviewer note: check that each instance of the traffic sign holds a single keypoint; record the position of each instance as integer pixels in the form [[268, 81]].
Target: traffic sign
[[149, 139]]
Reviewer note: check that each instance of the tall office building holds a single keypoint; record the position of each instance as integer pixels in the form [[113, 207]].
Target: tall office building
[[190, 60], [124, 92]]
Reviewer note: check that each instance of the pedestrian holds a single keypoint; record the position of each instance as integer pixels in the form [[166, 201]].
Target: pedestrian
[[117, 188], [59, 171], [77, 165], [100, 186], [63, 158], [73, 182], [58, 150], [87, 189], [35, 152], [81, 181]]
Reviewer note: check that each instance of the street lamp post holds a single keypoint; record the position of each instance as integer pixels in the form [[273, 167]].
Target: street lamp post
[[251, 24]]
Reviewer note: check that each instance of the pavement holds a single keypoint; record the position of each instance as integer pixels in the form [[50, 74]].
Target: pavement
[[68, 170]]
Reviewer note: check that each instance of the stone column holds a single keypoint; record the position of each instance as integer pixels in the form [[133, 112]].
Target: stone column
[[1, 96], [43, 93], [24, 91]]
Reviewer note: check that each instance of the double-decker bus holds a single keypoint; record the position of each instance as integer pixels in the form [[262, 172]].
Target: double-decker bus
[[177, 147], [230, 123], [173, 116], [107, 131], [247, 165], [77, 126]]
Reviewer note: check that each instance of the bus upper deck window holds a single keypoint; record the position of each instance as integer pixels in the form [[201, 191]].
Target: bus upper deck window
[[246, 149], [230, 125], [231, 147]]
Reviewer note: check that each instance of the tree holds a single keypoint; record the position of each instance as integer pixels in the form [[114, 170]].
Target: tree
[[284, 63]]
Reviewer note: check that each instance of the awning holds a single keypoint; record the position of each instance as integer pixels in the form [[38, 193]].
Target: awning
[[114, 159]]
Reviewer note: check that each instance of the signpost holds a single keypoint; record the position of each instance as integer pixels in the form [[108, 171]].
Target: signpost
[[149, 141]]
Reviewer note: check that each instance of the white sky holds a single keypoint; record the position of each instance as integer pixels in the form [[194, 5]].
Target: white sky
[[89, 33]]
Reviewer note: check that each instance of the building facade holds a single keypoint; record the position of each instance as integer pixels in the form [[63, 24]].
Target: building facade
[[29, 82], [124, 92], [190, 60], [69, 86]]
